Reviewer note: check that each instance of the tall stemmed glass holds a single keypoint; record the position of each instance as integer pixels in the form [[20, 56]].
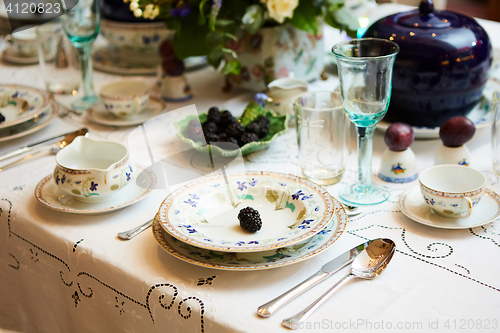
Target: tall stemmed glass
[[365, 73], [81, 24]]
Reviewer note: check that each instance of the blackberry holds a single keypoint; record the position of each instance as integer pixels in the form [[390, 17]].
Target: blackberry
[[214, 114], [233, 141], [2, 118], [223, 137], [209, 127], [235, 130], [250, 219], [211, 137], [253, 128], [195, 133], [247, 138], [262, 120], [227, 119]]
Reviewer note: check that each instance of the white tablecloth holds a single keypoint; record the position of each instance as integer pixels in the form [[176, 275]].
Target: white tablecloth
[[63, 272]]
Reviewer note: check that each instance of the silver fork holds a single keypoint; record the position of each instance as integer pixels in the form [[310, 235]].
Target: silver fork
[[129, 234]]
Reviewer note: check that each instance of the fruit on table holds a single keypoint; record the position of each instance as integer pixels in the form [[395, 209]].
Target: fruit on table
[[223, 127], [456, 131], [2, 118], [399, 136], [170, 64], [250, 219]]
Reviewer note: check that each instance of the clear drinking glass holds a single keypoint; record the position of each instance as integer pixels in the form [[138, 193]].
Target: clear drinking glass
[[81, 25], [58, 61], [365, 72], [322, 135], [495, 131]]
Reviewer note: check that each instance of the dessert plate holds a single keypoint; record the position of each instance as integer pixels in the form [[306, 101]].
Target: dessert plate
[[98, 114], [20, 103], [52, 197], [32, 125], [413, 206], [201, 213], [14, 57], [254, 260]]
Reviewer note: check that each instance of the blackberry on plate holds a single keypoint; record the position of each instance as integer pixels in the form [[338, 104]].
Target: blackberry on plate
[[233, 141], [223, 137], [193, 123], [2, 118], [262, 120], [214, 114], [250, 219], [235, 130], [247, 138]]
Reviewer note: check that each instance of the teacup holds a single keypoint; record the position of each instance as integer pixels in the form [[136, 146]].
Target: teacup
[[452, 190], [23, 42], [93, 171], [125, 98]]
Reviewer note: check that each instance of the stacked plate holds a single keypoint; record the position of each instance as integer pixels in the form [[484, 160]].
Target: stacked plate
[[24, 110], [198, 222]]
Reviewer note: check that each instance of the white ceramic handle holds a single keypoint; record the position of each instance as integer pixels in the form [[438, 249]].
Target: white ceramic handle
[[468, 204]]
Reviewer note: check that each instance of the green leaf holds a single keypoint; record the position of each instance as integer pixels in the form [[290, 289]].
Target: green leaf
[[304, 17], [233, 67], [302, 213], [290, 205], [202, 19], [215, 57], [245, 197], [272, 196], [190, 40], [223, 22]]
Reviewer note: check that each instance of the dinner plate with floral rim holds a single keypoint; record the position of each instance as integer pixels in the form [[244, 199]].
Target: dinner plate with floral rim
[[414, 207], [203, 213], [238, 261], [19, 104], [49, 195], [98, 114], [34, 124]]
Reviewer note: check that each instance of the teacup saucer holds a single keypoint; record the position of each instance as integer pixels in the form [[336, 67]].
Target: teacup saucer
[[414, 207], [52, 197], [98, 114], [14, 57]]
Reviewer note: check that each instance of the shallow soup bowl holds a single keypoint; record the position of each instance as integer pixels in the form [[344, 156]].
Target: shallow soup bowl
[[125, 98], [452, 190], [93, 171]]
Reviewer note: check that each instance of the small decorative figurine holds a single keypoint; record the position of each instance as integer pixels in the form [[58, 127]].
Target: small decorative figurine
[[398, 163], [171, 80], [454, 133]]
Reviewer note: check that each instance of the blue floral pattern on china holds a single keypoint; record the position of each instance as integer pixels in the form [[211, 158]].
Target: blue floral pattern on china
[[202, 213]]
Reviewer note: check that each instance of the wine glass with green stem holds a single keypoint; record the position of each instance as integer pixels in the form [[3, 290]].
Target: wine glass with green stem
[[81, 24], [365, 73]]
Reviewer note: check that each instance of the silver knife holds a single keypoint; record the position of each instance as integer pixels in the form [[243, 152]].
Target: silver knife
[[34, 146], [328, 269]]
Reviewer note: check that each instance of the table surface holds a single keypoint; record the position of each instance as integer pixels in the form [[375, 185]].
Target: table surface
[[66, 272]]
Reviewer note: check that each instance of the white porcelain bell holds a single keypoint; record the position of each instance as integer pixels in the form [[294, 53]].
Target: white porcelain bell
[[398, 166], [452, 155]]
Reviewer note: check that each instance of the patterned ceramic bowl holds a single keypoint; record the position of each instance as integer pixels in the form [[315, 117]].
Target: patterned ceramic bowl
[[93, 171], [139, 38], [452, 190], [125, 98]]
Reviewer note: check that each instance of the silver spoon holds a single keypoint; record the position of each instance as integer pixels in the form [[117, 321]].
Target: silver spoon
[[351, 210], [370, 263], [129, 234]]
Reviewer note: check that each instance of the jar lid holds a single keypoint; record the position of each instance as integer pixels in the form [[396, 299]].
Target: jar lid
[[426, 18]]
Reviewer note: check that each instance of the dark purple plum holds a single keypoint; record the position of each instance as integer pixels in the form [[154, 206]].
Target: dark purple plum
[[456, 131], [166, 50], [399, 136], [173, 67]]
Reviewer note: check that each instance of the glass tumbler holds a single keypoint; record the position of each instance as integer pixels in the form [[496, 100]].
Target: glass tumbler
[[322, 136], [58, 60], [495, 131]]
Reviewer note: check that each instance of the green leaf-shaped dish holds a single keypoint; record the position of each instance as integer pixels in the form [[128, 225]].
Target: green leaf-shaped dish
[[277, 126]]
